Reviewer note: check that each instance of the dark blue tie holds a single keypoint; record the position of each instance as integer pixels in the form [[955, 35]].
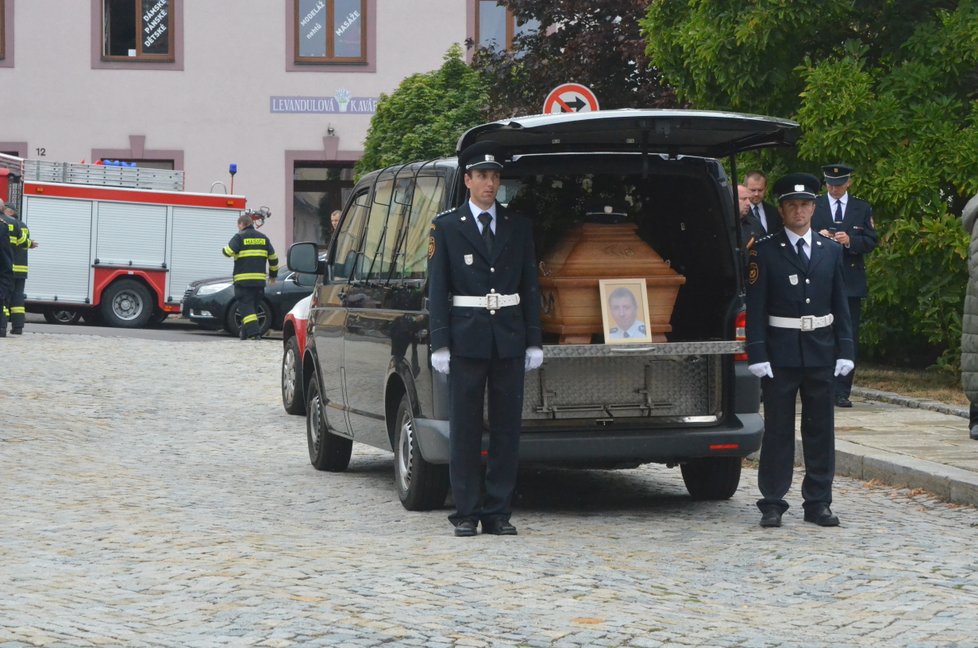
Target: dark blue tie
[[801, 252], [485, 218], [838, 211]]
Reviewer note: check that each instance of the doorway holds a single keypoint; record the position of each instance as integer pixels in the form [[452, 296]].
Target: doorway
[[318, 188]]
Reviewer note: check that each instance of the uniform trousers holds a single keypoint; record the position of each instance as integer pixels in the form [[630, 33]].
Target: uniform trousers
[[248, 298], [6, 289], [843, 384], [468, 378], [774, 473], [17, 300]]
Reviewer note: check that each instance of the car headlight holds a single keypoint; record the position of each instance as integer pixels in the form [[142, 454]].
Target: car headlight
[[208, 289]]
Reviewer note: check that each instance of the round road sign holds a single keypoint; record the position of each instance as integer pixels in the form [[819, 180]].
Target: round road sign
[[569, 98]]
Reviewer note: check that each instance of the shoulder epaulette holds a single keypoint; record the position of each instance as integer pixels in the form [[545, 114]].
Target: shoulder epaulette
[[440, 214], [765, 238]]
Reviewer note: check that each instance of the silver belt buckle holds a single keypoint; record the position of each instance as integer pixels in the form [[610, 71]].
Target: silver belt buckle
[[807, 322], [492, 301]]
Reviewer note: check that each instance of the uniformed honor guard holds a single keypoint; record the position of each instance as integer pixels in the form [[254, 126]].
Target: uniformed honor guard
[[250, 250], [849, 221], [484, 305], [798, 337]]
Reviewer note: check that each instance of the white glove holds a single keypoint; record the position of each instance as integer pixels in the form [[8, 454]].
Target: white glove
[[843, 367], [440, 360], [761, 369], [534, 358]]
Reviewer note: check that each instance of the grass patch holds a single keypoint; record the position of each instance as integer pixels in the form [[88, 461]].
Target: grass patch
[[931, 384]]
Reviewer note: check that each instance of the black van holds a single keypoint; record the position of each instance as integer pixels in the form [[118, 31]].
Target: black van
[[686, 401]]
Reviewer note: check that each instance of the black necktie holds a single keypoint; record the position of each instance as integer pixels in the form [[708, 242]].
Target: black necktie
[[757, 215], [801, 251], [838, 211], [485, 218]]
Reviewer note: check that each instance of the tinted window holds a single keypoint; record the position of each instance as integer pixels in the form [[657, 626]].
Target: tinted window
[[348, 239], [429, 195]]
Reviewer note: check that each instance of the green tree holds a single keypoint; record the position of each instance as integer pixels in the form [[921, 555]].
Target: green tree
[[887, 86], [597, 43], [424, 117]]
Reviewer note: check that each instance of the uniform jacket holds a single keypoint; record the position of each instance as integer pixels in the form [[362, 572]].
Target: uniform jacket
[[17, 233], [778, 283], [20, 241], [6, 265], [460, 264], [858, 223], [250, 250]]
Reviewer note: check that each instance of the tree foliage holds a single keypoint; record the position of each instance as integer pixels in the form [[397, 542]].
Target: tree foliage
[[889, 86], [597, 43], [424, 117]]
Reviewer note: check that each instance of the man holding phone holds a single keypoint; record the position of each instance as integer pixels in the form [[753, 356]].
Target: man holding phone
[[849, 221]]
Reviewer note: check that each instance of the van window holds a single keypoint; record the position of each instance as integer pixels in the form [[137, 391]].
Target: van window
[[429, 196], [348, 239], [387, 213]]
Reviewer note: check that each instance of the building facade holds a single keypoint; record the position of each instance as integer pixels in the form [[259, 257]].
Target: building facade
[[283, 89]]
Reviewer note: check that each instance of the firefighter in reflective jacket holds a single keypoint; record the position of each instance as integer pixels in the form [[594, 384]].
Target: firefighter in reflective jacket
[[250, 250], [6, 275], [20, 243]]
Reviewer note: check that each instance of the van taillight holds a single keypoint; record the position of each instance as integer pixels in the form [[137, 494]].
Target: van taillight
[[741, 333]]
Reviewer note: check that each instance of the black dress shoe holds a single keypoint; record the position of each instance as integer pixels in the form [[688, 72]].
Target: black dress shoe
[[974, 432], [822, 516], [17, 331], [771, 518], [465, 529], [842, 401], [498, 527]]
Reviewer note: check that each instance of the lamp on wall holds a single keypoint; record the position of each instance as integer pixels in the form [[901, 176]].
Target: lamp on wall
[[330, 130]]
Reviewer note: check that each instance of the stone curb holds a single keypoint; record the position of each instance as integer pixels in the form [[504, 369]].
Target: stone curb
[[906, 401], [861, 462]]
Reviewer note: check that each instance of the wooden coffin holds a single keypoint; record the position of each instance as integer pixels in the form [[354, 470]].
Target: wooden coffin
[[569, 275]]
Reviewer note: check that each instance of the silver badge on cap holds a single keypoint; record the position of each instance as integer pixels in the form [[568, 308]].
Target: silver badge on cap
[[799, 187]]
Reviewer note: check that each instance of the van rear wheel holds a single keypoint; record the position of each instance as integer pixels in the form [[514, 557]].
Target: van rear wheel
[[712, 478], [327, 451], [421, 486]]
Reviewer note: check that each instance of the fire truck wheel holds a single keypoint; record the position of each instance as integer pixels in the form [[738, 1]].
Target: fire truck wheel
[[712, 478], [61, 316], [421, 486], [126, 303], [327, 451], [233, 320]]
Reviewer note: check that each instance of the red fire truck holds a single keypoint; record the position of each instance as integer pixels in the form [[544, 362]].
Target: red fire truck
[[116, 244]]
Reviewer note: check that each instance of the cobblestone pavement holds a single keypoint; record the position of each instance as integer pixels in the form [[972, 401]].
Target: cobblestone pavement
[[156, 494]]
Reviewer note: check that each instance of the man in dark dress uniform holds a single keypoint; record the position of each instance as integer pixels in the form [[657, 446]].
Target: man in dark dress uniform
[[798, 337], [484, 306], [849, 221]]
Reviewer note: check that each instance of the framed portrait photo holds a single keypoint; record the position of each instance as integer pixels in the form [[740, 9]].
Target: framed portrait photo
[[625, 311]]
